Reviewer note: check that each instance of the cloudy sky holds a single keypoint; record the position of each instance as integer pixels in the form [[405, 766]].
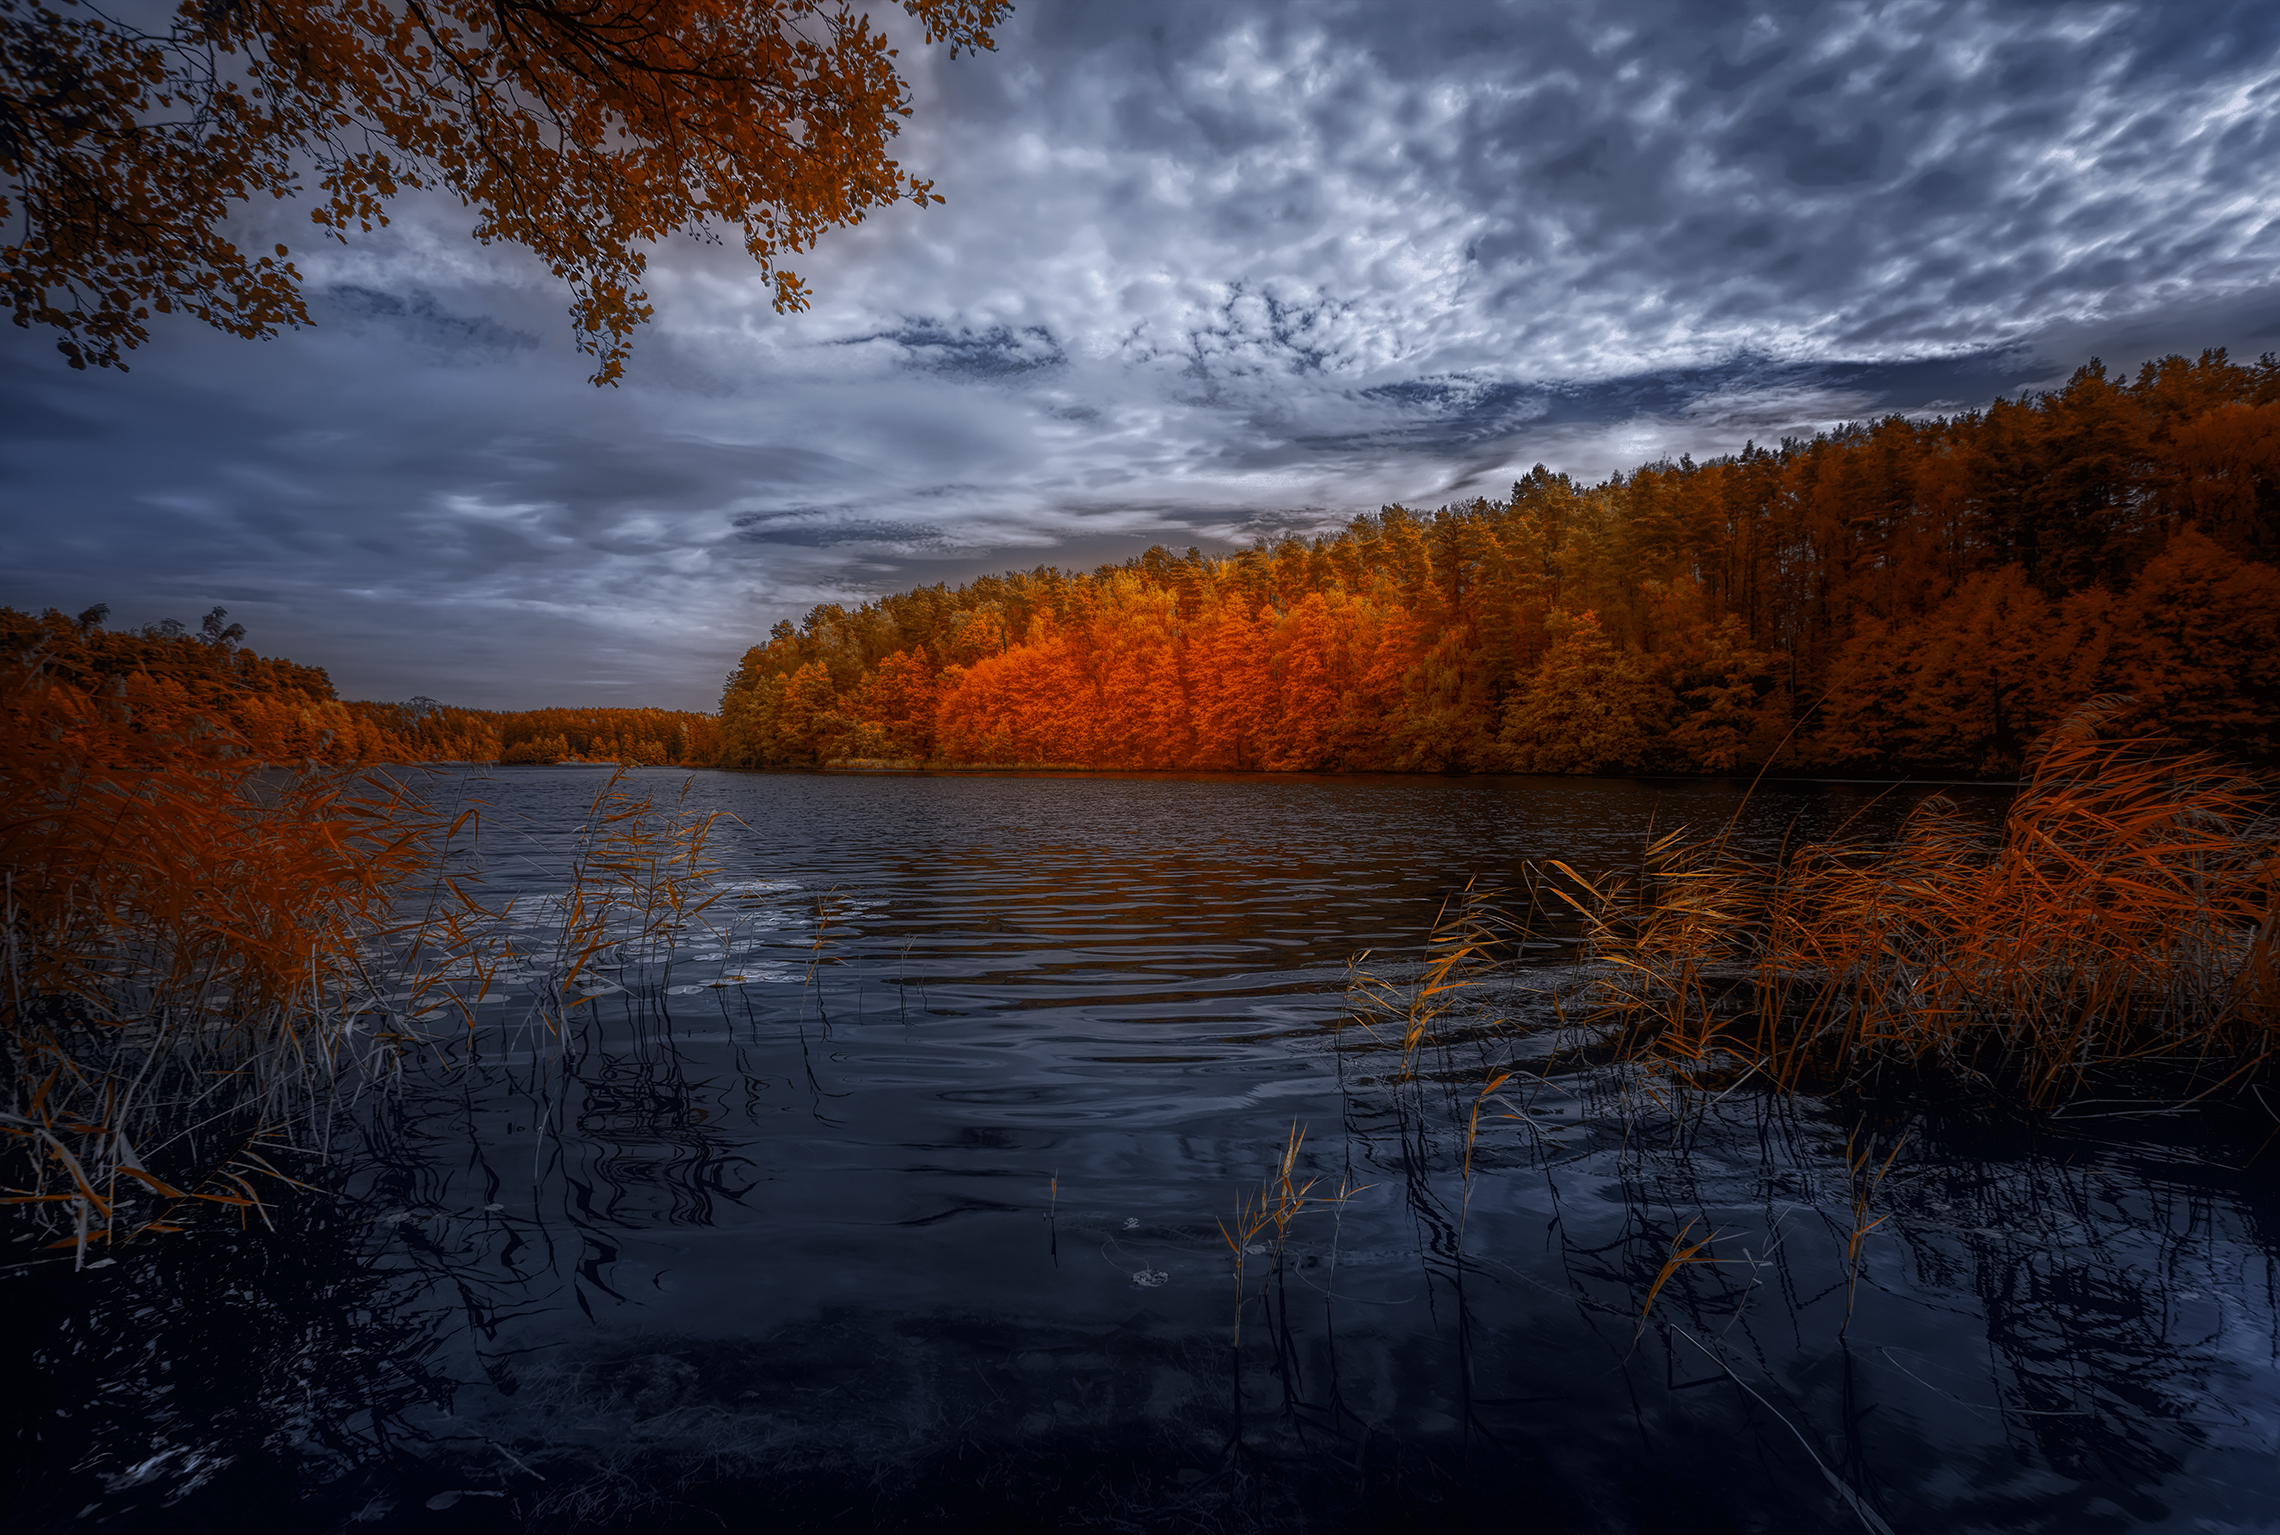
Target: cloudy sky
[[1207, 271]]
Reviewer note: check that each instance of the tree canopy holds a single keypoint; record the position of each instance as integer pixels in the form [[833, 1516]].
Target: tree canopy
[[583, 129], [204, 696], [1893, 596]]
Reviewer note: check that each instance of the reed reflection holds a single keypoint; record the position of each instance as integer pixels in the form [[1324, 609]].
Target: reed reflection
[[278, 1375]]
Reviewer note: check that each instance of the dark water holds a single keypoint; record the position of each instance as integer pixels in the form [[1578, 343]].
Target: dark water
[[916, 1225]]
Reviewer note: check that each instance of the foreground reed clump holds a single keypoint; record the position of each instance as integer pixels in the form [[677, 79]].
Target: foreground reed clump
[[184, 932], [203, 951], [2118, 925]]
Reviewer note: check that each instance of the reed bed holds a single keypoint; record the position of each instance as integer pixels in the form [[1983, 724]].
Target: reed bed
[[2117, 930], [202, 953]]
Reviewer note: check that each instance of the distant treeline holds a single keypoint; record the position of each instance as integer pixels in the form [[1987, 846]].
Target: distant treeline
[[1907, 594], [1903, 595], [175, 679]]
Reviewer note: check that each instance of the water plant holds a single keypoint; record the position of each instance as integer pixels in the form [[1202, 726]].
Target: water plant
[[2120, 920], [1682, 1252], [1865, 1175], [1469, 935], [203, 953], [638, 878], [183, 933], [1278, 1201]]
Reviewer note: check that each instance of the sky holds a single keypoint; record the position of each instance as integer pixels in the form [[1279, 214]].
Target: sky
[[1206, 273]]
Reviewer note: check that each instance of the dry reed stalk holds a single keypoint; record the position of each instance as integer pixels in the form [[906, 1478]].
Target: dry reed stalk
[[1682, 1253], [637, 879], [1460, 948], [2124, 914], [1481, 1100], [195, 946], [1278, 1202], [1864, 1186]]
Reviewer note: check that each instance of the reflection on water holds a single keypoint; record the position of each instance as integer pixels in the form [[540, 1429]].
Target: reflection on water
[[917, 1223]]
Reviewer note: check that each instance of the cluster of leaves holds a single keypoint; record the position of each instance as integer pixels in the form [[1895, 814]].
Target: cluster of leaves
[[583, 131], [1908, 594]]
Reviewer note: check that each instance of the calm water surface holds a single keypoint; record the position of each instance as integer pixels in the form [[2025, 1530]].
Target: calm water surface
[[897, 1204]]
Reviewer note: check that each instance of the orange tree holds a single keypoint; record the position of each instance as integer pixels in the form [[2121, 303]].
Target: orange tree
[[582, 129]]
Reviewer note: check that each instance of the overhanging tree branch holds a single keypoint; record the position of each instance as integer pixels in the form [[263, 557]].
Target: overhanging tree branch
[[584, 130]]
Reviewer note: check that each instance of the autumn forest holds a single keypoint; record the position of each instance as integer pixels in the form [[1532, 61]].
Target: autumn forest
[[1900, 596], [1903, 595]]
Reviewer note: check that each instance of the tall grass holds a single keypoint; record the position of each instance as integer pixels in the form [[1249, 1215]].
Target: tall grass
[[2121, 918], [639, 876], [1425, 1008], [201, 954]]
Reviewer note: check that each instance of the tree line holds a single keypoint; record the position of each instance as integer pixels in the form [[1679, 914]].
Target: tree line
[[1898, 595], [174, 680]]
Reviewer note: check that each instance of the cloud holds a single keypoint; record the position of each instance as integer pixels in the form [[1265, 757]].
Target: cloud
[[993, 352], [420, 316], [1206, 272]]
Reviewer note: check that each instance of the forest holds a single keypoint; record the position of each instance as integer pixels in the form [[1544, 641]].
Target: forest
[[1925, 595], [169, 679]]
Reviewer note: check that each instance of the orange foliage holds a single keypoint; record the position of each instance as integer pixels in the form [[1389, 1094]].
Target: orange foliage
[[1126, 682], [272, 711], [651, 737], [198, 944], [2120, 922], [585, 132], [1899, 596], [179, 921], [130, 795], [261, 708]]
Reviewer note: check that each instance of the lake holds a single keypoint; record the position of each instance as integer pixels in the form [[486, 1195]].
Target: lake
[[901, 1200]]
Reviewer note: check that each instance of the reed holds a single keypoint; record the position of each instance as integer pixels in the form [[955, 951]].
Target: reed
[[639, 876], [2121, 918], [1682, 1253], [201, 952], [174, 926], [1866, 1176], [1278, 1202], [1468, 933]]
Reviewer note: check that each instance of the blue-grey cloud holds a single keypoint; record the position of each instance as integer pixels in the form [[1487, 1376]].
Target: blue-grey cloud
[[997, 351], [420, 316], [823, 530], [1206, 272]]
